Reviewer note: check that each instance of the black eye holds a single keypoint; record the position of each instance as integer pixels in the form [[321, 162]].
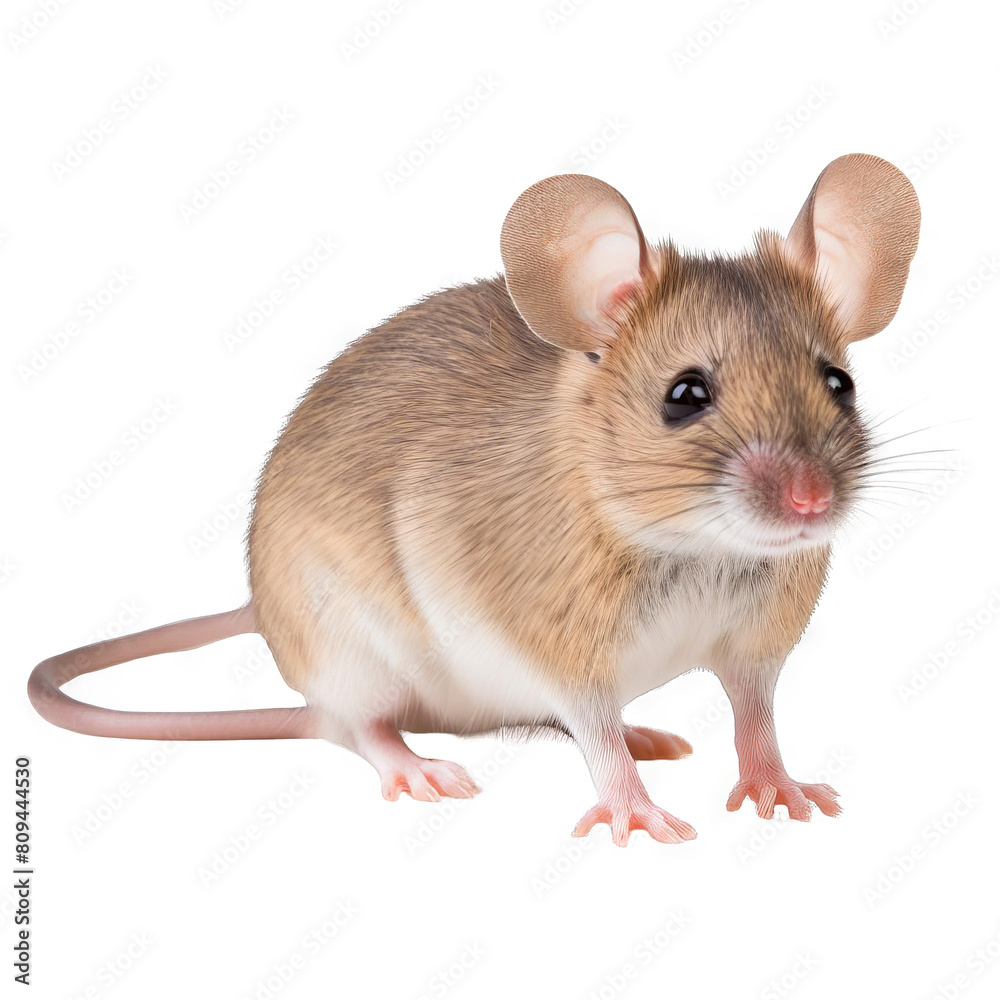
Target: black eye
[[688, 396], [840, 385]]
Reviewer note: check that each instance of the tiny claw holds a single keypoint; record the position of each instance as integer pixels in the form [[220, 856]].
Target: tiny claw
[[624, 818], [774, 790], [593, 816], [429, 781]]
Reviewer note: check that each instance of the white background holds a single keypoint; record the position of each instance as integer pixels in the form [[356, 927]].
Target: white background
[[894, 898]]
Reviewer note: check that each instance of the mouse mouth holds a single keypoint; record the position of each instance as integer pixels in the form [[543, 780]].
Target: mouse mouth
[[770, 540], [739, 529]]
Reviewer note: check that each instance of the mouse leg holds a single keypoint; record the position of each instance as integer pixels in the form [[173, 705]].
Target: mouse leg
[[401, 770], [623, 802], [763, 778], [655, 744]]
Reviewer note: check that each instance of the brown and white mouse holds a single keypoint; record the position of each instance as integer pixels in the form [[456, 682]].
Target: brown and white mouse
[[526, 500]]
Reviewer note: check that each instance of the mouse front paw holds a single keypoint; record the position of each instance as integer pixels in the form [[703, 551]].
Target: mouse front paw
[[770, 788], [624, 816]]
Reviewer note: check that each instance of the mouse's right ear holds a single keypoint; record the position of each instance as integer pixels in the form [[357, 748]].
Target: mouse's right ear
[[572, 251], [858, 230]]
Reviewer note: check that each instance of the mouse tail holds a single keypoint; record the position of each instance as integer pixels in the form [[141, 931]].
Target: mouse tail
[[249, 724]]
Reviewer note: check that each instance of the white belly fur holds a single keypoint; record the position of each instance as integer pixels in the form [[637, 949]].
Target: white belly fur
[[669, 646], [489, 684], [484, 682]]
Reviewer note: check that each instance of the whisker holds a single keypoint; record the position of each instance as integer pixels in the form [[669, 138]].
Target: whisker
[[724, 455], [910, 454], [735, 430], [875, 483], [851, 515], [686, 510], [877, 460], [663, 487], [895, 488], [654, 464], [920, 430], [885, 501], [893, 468], [892, 416]]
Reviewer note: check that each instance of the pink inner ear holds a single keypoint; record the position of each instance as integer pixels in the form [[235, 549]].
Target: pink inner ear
[[843, 275], [604, 274], [617, 295]]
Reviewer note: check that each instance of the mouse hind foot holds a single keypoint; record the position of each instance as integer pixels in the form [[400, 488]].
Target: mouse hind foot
[[654, 744], [401, 770]]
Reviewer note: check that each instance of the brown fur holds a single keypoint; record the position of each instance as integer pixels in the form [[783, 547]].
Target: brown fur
[[453, 421]]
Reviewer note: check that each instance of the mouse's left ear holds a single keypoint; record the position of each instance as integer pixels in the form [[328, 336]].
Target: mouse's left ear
[[858, 229], [572, 252]]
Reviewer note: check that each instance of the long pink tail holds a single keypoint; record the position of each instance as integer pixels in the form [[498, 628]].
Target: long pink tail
[[248, 724]]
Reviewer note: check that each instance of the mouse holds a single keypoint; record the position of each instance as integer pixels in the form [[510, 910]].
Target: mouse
[[526, 500]]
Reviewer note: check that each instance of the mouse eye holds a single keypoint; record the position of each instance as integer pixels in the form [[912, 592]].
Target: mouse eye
[[840, 385], [688, 396]]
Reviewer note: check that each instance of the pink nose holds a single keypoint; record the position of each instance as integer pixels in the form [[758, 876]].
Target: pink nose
[[810, 493]]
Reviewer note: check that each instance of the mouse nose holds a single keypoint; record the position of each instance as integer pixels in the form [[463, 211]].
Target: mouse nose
[[809, 492]]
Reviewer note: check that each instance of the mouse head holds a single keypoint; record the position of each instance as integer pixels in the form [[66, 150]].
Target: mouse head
[[712, 394]]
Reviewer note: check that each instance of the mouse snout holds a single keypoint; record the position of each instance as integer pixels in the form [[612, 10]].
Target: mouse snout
[[809, 490], [783, 492]]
